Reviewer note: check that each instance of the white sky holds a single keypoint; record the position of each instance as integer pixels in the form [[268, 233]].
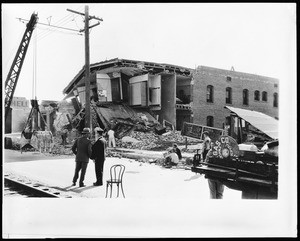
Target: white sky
[[254, 38]]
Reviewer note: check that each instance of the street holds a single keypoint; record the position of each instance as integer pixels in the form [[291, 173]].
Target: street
[[141, 180], [158, 202]]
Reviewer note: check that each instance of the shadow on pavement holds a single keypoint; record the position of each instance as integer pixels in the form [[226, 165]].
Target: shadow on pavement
[[196, 176]]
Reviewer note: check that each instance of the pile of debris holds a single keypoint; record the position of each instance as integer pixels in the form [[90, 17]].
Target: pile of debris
[[152, 141], [59, 149], [185, 163]]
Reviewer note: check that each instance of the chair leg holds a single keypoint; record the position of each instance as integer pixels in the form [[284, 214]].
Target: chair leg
[[111, 189], [118, 189], [106, 190], [122, 189]]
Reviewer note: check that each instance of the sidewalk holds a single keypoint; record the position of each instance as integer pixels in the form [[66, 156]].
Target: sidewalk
[[141, 180], [158, 202]]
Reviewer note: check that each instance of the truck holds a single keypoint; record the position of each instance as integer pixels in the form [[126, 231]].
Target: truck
[[245, 156]]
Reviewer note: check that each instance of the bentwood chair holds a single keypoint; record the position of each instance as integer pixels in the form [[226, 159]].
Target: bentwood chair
[[116, 177]]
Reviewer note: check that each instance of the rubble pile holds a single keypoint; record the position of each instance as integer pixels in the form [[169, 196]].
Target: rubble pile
[[183, 164], [59, 149], [152, 141]]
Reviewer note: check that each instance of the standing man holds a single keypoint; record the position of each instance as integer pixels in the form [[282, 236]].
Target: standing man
[[111, 138], [206, 145], [216, 188], [82, 148], [98, 155]]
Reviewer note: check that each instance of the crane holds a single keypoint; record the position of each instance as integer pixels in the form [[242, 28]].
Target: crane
[[14, 72]]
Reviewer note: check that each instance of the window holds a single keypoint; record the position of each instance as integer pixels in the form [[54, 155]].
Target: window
[[256, 95], [228, 78], [228, 95], [275, 100], [227, 125], [210, 121], [275, 85], [210, 94], [264, 96], [245, 97]]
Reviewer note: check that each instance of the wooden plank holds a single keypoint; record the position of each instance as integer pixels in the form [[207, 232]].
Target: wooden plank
[[255, 180]]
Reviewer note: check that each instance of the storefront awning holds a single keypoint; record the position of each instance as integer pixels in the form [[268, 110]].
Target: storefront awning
[[264, 123]]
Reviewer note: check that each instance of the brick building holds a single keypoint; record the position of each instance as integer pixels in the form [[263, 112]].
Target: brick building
[[215, 88], [175, 94]]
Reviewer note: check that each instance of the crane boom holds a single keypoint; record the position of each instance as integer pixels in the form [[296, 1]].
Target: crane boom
[[14, 72]]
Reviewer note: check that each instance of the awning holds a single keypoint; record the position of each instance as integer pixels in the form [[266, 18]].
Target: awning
[[264, 123]]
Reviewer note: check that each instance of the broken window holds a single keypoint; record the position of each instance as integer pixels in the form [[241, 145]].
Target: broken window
[[245, 97], [256, 95], [264, 96], [228, 95], [210, 93]]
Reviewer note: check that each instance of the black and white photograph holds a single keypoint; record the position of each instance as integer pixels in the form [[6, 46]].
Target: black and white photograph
[[149, 120]]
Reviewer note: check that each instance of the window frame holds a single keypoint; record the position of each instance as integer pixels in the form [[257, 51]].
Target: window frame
[[275, 99], [264, 96], [210, 94], [210, 120], [245, 97], [228, 100], [257, 95]]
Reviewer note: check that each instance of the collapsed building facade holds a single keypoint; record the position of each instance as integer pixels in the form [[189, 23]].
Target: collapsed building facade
[[170, 94]]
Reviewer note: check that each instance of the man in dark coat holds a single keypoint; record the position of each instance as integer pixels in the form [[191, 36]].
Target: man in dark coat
[[98, 155], [82, 148]]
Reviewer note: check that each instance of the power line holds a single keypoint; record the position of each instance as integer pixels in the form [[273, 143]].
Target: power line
[[52, 26], [49, 25]]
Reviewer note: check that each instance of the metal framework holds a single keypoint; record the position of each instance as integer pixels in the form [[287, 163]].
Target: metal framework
[[14, 72]]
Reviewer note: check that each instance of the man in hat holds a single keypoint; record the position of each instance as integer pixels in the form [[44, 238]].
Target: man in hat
[[206, 145], [98, 155], [82, 148], [216, 188]]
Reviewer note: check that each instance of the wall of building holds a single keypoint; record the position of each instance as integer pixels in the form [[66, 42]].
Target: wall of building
[[19, 118], [154, 90], [204, 76], [183, 89], [138, 90], [20, 102], [168, 99]]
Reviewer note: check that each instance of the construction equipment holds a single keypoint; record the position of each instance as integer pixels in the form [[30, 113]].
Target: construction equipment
[[14, 72]]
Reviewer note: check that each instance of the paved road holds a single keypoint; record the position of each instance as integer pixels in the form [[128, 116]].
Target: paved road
[[17, 156]]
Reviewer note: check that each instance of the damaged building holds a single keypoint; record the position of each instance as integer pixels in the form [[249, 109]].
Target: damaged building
[[126, 89], [169, 94]]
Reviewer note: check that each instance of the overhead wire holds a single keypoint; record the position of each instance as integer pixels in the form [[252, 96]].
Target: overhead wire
[[61, 23]]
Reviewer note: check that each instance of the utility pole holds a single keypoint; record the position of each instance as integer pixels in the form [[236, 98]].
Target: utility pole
[[87, 69], [88, 122]]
